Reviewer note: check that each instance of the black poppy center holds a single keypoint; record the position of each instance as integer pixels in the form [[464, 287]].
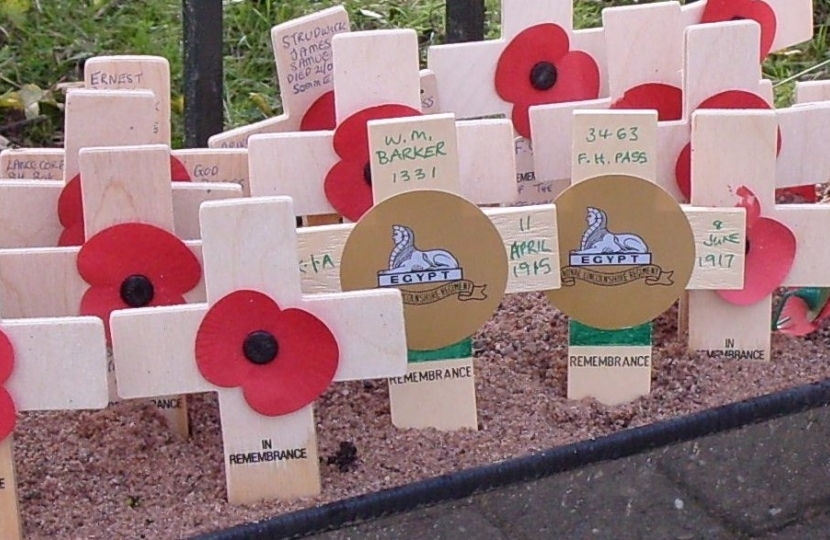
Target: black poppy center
[[137, 291], [543, 76], [260, 347], [367, 173]]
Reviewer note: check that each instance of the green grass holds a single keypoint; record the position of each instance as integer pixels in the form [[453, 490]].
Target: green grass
[[44, 43]]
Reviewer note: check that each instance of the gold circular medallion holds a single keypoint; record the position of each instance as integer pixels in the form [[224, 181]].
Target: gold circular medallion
[[627, 252], [442, 252]]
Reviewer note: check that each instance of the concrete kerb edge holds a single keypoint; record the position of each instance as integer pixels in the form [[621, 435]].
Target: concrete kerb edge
[[462, 484]]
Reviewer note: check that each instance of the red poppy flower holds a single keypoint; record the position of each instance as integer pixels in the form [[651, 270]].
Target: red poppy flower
[[734, 10], [665, 98], [8, 411], [320, 116], [538, 67], [282, 359], [802, 311], [348, 184], [70, 206], [770, 252], [730, 99], [135, 265]]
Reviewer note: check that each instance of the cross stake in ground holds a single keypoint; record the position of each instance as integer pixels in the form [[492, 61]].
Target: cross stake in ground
[[268, 350], [482, 254], [735, 163], [628, 251], [128, 219], [45, 365]]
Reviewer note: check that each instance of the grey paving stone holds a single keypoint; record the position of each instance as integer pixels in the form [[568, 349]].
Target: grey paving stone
[[759, 477], [451, 521], [812, 525], [622, 500]]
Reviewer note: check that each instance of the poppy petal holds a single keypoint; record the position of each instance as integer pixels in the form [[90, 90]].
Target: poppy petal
[[665, 98], [219, 341], [73, 235], [6, 357], [304, 367], [8, 414], [520, 116], [178, 172], [751, 204], [793, 319], [137, 248], [541, 43], [320, 116], [757, 10], [772, 248], [683, 172], [102, 301], [351, 138], [578, 81], [70, 203], [807, 193], [347, 190]]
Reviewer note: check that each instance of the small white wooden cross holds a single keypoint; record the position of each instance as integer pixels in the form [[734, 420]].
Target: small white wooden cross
[[302, 50], [623, 143], [297, 164], [249, 249], [135, 72], [735, 151], [30, 211], [712, 58], [304, 61], [121, 185], [130, 72], [47, 364], [438, 390], [466, 72]]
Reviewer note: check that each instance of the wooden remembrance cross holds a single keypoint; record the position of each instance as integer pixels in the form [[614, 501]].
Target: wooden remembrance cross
[[305, 72], [735, 162], [47, 365], [122, 185], [301, 165], [438, 390], [267, 349], [470, 82], [648, 68], [93, 118], [628, 251], [132, 72]]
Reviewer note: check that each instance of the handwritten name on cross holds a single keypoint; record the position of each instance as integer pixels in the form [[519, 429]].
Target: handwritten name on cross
[[628, 245], [439, 387], [735, 163], [35, 214], [304, 61], [136, 72], [306, 167], [47, 364], [116, 267], [714, 60], [260, 344]]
